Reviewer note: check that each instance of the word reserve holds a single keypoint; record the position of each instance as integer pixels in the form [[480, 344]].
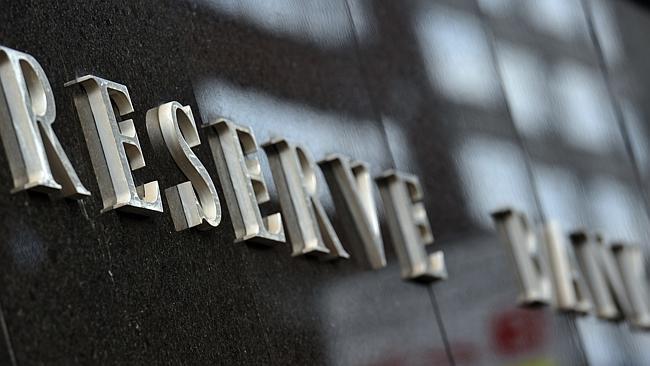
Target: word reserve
[[38, 162]]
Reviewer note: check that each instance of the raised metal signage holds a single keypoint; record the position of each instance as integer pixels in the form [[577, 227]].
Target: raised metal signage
[[608, 280], [587, 276], [38, 162]]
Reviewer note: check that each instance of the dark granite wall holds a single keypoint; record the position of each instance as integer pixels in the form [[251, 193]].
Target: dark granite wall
[[490, 102]]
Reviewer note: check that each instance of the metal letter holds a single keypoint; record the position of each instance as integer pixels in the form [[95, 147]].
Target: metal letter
[[114, 147], [632, 268], [566, 288], [171, 126], [513, 227], [27, 112], [570, 292], [616, 277], [308, 227], [233, 149], [351, 188], [409, 227]]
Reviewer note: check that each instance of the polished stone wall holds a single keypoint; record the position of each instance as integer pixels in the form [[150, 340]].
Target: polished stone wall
[[539, 105]]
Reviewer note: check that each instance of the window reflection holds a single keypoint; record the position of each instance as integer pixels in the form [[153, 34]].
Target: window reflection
[[560, 195], [608, 33], [584, 114], [493, 173], [262, 111], [560, 18], [497, 8], [582, 173], [565, 99], [551, 95], [598, 202], [456, 55], [319, 22], [524, 80], [617, 210]]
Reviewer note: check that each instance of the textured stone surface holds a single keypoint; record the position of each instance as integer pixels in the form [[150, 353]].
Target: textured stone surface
[[423, 86], [84, 287]]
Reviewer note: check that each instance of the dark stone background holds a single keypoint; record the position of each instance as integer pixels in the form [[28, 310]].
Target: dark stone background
[[429, 87]]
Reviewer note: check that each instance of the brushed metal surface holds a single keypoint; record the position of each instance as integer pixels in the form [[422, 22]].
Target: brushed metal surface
[[421, 86], [309, 229], [352, 191], [194, 203], [27, 110], [114, 145], [234, 149], [409, 228]]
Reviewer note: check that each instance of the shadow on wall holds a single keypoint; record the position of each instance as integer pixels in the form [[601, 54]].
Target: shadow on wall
[[437, 90], [411, 84]]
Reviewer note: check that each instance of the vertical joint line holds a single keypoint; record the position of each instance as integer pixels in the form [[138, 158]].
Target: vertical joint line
[[441, 325], [616, 105], [5, 333], [491, 38], [520, 139], [366, 85]]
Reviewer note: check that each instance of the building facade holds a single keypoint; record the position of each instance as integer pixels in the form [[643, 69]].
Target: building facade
[[542, 106]]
